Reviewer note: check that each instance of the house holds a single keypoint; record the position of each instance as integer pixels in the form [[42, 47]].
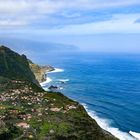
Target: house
[[23, 125]]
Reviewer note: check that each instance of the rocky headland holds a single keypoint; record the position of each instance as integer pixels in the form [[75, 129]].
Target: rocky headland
[[40, 72]]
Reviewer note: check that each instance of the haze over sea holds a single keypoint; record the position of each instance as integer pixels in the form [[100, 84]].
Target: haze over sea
[[107, 84]]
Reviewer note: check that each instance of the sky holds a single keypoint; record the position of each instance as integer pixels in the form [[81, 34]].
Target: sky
[[92, 25]]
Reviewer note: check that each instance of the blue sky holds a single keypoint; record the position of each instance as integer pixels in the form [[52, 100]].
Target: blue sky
[[114, 23]]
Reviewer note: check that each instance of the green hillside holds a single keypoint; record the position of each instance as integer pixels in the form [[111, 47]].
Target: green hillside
[[27, 112]]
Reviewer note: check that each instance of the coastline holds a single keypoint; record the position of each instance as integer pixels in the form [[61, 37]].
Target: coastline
[[103, 123], [40, 110], [48, 79]]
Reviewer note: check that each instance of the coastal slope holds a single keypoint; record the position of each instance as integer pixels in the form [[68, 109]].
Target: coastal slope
[[27, 112]]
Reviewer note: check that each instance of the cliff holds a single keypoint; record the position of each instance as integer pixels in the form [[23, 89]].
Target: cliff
[[27, 112], [40, 71], [15, 66]]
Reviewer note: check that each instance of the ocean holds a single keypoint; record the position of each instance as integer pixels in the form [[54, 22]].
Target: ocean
[[108, 85]]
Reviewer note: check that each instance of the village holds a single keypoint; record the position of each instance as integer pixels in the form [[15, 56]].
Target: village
[[23, 104]]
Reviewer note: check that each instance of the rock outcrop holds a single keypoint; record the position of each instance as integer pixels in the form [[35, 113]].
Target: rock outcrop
[[40, 71]]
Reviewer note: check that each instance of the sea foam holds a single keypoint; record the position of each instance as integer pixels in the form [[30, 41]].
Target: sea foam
[[56, 70], [106, 125], [63, 80], [136, 135], [48, 80]]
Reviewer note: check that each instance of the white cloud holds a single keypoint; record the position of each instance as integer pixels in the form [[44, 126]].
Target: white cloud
[[25, 12], [16, 23], [120, 23], [13, 6], [49, 6]]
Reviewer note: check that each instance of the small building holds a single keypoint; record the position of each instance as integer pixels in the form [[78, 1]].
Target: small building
[[23, 125]]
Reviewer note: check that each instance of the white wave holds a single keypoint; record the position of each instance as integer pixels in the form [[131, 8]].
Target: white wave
[[63, 80], [48, 80], [56, 70], [46, 89], [61, 88], [136, 135], [106, 125]]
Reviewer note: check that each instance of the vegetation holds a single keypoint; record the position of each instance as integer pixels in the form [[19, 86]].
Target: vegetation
[[15, 66], [27, 112]]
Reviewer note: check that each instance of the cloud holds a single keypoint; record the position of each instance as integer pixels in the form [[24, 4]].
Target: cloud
[[119, 23], [30, 13], [50, 6], [8, 23]]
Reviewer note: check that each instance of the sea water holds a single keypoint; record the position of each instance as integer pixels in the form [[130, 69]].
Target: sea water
[[108, 85]]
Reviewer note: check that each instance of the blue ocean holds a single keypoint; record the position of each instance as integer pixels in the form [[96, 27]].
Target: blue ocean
[[108, 85]]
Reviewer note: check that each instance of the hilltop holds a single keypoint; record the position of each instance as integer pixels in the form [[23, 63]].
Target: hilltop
[[27, 112]]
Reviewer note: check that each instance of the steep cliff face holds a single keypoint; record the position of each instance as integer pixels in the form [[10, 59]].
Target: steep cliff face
[[15, 66], [40, 71], [29, 113]]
